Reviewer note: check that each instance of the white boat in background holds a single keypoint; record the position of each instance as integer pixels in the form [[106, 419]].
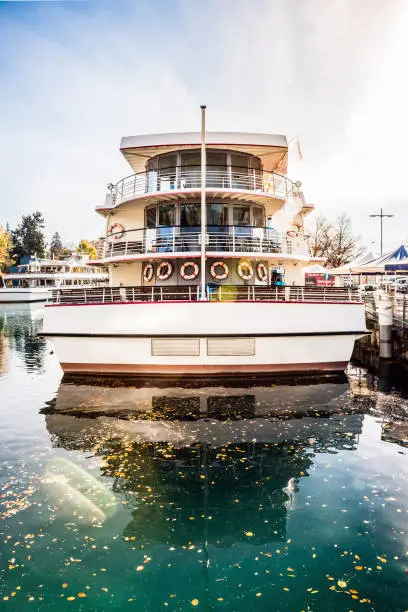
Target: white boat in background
[[206, 252], [34, 281]]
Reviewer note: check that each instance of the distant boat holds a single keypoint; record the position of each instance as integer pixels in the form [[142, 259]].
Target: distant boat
[[35, 280]]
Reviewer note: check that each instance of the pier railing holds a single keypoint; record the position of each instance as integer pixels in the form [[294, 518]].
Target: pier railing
[[227, 293], [229, 239], [180, 179]]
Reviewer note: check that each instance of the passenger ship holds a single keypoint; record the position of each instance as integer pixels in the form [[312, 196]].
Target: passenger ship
[[33, 280], [204, 277]]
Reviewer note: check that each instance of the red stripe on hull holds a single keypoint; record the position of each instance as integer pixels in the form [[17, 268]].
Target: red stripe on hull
[[199, 370]]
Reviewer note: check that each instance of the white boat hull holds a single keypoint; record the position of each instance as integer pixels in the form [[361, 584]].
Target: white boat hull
[[21, 295], [217, 338]]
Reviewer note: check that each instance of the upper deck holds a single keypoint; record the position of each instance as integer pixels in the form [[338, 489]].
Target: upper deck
[[168, 167]]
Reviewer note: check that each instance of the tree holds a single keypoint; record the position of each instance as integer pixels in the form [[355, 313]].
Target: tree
[[56, 246], [5, 249], [28, 237], [86, 247], [319, 236], [334, 242]]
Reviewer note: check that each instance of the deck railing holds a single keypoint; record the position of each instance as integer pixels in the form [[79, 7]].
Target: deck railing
[[226, 239], [111, 295], [185, 179]]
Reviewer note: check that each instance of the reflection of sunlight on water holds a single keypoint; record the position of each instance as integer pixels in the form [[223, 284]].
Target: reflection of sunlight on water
[[75, 492]]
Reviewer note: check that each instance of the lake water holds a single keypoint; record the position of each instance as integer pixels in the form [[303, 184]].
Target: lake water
[[243, 497]]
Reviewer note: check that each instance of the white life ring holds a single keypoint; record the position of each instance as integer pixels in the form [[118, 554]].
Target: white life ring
[[164, 270], [148, 272], [245, 270], [292, 234], [219, 264], [193, 274], [262, 272], [117, 230]]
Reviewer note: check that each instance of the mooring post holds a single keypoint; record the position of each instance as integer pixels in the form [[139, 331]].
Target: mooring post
[[384, 310]]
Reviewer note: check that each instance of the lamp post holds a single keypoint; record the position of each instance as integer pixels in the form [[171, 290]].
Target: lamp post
[[381, 217]]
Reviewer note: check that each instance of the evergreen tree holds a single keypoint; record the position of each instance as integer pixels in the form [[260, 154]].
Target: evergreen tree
[[28, 237], [56, 247]]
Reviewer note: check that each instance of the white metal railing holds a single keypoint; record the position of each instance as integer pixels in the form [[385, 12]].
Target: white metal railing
[[111, 295], [223, 239], [181, 179]]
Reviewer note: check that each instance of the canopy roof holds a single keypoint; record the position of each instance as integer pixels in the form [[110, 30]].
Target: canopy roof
[[366, 265], [359, 261], [271, 148]]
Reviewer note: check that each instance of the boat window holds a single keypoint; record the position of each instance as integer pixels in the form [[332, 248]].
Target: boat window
[[216, 158], [151, 216], [167, 215], [255, 163], [258, 216], [191, 158], [168, 162], [239, 162], [217, 214], [190, 215], [240, 215]]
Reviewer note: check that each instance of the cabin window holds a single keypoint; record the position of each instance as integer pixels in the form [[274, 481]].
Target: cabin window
[[151, 217], [217, 214], [190, 215], [191, 158], [241, 215], [258, 216], [167, 215]]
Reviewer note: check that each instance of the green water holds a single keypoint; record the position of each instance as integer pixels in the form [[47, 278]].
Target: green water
[[271, 497]]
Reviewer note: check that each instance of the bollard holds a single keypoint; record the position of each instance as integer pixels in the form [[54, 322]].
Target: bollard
[[384, 309]]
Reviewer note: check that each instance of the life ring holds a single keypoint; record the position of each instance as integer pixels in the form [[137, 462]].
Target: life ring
[[219, 264], [262, 272], [292, 234], [148, 272], [193, 274], [164, 270], [117, 230], [245, 270]]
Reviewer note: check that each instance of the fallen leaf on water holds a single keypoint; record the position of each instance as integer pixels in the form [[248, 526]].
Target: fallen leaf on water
[[358, 567], [139, 568], [194, 602], [342, 584], [249, 534], [81, 594]]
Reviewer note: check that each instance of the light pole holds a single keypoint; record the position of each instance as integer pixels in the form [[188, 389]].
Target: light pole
[[381, 216]]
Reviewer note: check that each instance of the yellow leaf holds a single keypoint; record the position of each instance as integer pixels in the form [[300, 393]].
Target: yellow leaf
[[358, 567], [259, 594], [139, 568], [70, 598], [194, 602], [81, 594], [249, 534], [64, 586], [342, 584], [382, 559], [353, 591]]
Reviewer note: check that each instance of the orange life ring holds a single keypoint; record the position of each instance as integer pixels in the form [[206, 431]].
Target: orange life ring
[[262, 272], [164, 270], [117, 230], [245, 270], [218, 264], [148, 272], [194, 273]]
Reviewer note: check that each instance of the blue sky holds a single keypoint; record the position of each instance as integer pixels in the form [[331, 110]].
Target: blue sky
[[77, 76]]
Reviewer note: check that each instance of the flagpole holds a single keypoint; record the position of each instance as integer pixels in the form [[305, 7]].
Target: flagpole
[[203, 204]]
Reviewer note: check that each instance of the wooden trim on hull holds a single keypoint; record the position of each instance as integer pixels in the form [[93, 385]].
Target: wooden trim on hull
[[110, 369]]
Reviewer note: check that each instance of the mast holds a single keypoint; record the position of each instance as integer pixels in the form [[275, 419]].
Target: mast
[[203, 203]]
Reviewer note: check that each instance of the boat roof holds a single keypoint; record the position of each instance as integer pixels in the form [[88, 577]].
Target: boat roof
[[271, 148]]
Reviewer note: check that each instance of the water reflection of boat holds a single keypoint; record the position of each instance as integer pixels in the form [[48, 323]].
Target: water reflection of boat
[[20, 325], [200, 464]]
